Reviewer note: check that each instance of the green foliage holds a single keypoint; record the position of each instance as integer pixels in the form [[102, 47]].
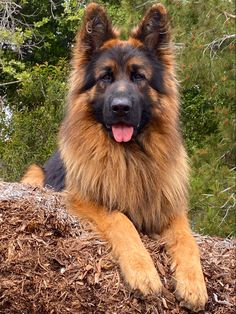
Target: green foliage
[[25, 140], [199, 118], [36, 43], [42, 33], [119, 11], [208, 129], [29, 126], [213, 200], [48, 83], [207, 59]]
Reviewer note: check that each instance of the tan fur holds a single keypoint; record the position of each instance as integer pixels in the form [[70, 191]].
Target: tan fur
[[146, 179], [34, 176], [147, 185], [144, 69], [134, 260], [190, 286], [125, 178], [110, 64]]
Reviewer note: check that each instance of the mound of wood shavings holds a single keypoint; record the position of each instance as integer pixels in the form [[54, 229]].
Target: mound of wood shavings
[[51, 263]]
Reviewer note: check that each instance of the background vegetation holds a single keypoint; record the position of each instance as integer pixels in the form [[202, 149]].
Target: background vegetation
[[35, 46]]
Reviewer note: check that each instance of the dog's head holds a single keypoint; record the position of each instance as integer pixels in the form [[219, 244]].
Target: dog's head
[[122, 80]]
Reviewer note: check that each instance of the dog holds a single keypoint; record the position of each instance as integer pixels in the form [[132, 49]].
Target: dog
[[120, 151]]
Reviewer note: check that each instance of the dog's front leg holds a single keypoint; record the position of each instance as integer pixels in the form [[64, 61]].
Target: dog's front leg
[[134, 260], [190, 284]]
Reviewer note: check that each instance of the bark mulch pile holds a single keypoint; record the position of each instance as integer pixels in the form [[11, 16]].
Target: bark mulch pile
[[51, 263]]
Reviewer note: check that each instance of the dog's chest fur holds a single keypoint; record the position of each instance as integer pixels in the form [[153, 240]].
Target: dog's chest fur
[[124, 177]]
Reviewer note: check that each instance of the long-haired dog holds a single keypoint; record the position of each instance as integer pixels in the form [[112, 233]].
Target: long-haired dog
[[121, 150]]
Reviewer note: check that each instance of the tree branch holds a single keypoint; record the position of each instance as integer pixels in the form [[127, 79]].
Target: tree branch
[[217, 43], [9, 83], [232, 16]]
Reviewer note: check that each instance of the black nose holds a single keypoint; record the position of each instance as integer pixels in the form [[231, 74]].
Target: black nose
[[121, 106]]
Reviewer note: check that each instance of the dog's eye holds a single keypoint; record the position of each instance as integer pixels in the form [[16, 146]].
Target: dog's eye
[[107, 78], [137, 77]]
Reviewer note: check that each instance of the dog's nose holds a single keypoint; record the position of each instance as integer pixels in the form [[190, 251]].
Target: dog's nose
[[121, 106]]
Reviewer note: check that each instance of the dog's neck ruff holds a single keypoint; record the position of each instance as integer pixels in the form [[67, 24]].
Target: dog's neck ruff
[[106, 172]]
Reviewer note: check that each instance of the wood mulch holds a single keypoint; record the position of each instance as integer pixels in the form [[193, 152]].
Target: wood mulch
[[51, 263]]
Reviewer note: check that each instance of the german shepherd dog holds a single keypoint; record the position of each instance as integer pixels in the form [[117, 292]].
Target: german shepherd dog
[[121, 150]]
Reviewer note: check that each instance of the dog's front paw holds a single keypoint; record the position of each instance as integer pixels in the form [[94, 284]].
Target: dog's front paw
[[141, 274], [191, 289]]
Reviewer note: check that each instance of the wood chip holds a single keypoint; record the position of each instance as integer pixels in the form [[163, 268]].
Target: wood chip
[[51, 263]]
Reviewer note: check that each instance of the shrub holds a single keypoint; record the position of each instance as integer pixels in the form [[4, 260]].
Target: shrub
[[29, 135]]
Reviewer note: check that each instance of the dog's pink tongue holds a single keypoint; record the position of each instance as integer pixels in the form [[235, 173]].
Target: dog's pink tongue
[[122, 132]]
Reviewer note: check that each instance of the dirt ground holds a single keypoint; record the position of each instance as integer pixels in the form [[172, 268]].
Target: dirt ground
[[51, 263]]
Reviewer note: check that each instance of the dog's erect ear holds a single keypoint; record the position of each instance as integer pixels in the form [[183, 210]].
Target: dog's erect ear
[[95, 30], [153, 31]]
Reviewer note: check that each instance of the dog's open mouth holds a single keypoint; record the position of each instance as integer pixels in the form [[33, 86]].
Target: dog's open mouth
[[122, 132]]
